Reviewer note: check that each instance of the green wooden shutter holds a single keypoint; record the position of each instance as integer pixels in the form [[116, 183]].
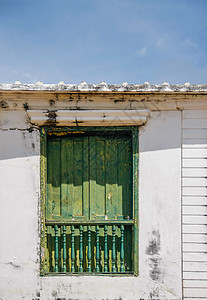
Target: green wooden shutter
[[89, 177], [89, 203]]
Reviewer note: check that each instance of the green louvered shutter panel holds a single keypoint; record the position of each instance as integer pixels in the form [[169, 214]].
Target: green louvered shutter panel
[[68, 178], [89, 177]]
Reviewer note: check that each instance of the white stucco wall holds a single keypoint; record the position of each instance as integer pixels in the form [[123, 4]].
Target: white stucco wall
[[159, 218]]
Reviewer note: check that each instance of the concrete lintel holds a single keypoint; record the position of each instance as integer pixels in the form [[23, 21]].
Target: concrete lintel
[[89, 117]]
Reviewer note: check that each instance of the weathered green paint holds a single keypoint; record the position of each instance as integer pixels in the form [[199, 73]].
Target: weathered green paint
[[89, 248], [105, 249], [135, 196], [113, 248], [122, 250], [97, 250], [81, 249], [56, 249], [64, 248], [72, 249], [93, 179]]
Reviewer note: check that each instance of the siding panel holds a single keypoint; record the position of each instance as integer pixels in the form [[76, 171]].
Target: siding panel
[[194, 203]]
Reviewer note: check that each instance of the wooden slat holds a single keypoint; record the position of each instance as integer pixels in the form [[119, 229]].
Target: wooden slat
[[194, 191], [190, 292], [194, 143], [195, 266], [194, 257], [124, 169], [194, 200], [194, 133], [53, 179], [195, 123], [112, 178], [194, 114], [195, 283], [78, 178], [195, 275], [194, 181], [193, 247], [194, 172], [195, 238], [194, 153], [194, 228], [67, 178], [97, 177], [194, 163], [85, 180], [194, 298], [195, 210], [194, 219]]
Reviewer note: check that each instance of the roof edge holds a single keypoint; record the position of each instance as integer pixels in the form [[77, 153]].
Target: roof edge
[[104, 87]]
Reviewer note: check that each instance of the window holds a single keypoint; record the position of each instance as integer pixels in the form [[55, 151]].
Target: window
[[89, 179]]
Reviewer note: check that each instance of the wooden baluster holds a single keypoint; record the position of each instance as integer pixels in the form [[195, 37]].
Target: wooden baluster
[[81, 249], [122, 269], [56, 248], [113, 248], [72, 249], [64, 248], [105, 249], [97, 250], [89, 249], [46, 250]]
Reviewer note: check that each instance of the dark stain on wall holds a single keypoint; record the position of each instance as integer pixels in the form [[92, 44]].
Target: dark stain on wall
[[153, 250]]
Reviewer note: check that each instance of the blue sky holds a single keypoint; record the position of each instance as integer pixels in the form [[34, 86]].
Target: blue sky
[[103, 40]]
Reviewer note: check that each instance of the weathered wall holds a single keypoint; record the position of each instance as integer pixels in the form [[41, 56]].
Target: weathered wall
[[159, 218]]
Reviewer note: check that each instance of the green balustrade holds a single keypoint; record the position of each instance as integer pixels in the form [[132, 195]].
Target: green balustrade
[[81, 249], [89, 249], [56, 248], [113, 249], [122, 269], [105, 249], [72, 249], [97, 250], [64, 248]]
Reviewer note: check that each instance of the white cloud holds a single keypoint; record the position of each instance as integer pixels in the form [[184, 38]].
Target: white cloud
[[189, 43], [159, 42], [142, 51]]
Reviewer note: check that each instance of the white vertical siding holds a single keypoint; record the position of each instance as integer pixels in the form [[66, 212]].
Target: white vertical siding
[[194, 203]]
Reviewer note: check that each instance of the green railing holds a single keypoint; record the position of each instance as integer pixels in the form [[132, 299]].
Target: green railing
[[89, 247]]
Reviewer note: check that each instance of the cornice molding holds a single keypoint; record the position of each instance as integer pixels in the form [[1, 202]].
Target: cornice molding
[[89, 117]]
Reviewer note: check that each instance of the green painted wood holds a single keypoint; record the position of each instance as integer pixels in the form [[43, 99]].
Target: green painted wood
[[124, 203], [113, 248], [56, 249], [46, 250], [105, 249], [122, 269], [89, 249], [97, 250], [111, 178], [105, 152], [135, 198], [64, 248], [86, 181], [97, 178], [67, 191], [72, 249], [53, 179], [81, 249], [78, 178]]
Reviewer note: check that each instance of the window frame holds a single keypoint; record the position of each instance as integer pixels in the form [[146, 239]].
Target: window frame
[[46, 130]]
